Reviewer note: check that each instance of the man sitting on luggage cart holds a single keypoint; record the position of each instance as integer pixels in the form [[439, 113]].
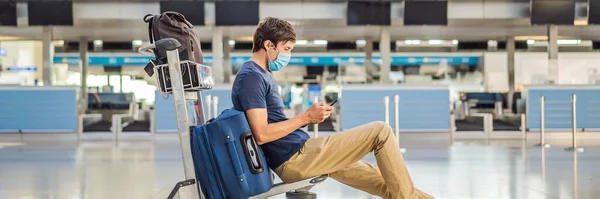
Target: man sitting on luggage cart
[[290, 152]]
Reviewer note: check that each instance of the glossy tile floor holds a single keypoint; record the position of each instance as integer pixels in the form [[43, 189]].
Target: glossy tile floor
[[61, 167]]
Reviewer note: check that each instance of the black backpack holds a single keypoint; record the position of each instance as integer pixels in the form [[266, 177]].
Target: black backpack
[[173, 25]]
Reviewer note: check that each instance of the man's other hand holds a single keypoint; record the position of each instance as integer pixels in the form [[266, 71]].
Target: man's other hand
[[317, 113]]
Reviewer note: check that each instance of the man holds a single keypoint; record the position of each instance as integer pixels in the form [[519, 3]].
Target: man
[[290, 152]]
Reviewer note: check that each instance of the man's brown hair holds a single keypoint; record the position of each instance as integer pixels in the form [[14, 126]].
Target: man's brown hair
[[274, 30]]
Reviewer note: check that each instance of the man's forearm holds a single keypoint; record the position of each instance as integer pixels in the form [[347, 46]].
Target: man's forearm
[[278, 130]]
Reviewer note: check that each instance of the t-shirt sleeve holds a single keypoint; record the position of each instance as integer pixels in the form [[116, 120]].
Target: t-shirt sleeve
[[252, 91]]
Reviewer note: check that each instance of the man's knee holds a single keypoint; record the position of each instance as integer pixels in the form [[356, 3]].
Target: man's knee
[[382, 127], [381, 130]]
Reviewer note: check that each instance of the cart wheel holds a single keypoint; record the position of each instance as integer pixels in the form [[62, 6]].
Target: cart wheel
[[300, 195]]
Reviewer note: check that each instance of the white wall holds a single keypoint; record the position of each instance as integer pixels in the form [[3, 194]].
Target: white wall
[[532, 68], [495, 71], [578, 68], [21, 54]]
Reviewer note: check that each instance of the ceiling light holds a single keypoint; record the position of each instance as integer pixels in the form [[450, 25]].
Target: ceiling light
[[361, 42], [531, 37], [6, 38], [98, 42], [301, 42], [320, 42], [409, 42], [435, 42], [137, 42], [231, 42], [58, 42], [246, 38], [568, 42], [580, 22]]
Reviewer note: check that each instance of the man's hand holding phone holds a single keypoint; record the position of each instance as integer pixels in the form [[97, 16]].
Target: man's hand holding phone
[[318, 112]]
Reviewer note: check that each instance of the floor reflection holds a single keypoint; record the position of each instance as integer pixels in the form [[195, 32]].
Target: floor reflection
[[149, 168]]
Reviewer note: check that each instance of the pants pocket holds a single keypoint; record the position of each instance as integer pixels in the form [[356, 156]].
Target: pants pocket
[[313, 146]]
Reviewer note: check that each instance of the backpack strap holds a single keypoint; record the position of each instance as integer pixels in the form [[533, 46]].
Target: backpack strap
[[179, 17], [153, 22], [149, 21], [156, 23]]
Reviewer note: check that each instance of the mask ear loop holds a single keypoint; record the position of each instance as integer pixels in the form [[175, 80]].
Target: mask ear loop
[[269, 56]]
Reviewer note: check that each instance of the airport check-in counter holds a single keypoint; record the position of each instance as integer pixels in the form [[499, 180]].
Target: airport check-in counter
[[109, 104], [45, 109], [481, 102], [558, 107], [420, 108], [164, 119]]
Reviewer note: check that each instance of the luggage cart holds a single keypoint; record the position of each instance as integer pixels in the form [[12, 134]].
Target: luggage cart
[[184, 80]]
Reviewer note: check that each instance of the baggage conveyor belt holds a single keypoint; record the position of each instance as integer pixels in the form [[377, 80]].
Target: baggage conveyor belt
[[137, 126], [104, 126], [477, 125]]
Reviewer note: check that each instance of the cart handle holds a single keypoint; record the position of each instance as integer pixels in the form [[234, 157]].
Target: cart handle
[[168, 44], [147, 49]]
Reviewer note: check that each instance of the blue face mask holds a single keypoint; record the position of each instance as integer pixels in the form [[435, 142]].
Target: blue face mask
[[281, 61]]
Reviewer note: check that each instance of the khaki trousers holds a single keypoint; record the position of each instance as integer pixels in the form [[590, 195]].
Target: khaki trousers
[[340, 156]]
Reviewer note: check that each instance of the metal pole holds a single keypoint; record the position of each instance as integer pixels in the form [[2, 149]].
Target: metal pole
[[574, 119], [183, 123], [487, 125], [215, 104], [396, 115], [544, 165], [113, 127], [397, 120], [80, 126], [153, 123], [524, 126], [200, 113], [574, 125], [542, 123], [386, 104], [542, 120], [316, 126], [339, 115], [575, 176], [499, 109], [452, 126], [208, 106], [84, 63]]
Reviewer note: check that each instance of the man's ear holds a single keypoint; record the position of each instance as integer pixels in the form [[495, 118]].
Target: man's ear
[[268, 44]]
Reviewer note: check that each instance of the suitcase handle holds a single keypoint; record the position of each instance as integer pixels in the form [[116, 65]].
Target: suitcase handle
[[237, 165], [253, 155]]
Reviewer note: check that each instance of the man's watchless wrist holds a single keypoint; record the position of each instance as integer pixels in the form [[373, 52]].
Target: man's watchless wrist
[[305, 119]]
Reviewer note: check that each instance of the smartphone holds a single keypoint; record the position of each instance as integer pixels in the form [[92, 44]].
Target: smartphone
[[333, 103]]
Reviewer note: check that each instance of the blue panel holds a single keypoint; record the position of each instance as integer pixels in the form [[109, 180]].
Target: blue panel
[[424, 109], [224, 99], [38, 110], [419, 109], [164, 113], [305, 60], [166, 118], [360, 107], [558, 110], [20, 68]]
